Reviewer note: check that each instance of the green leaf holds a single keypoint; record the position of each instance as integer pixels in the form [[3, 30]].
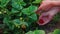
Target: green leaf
[[8, 23], [36, 32], [14, 11], [39, 32], [30, 32], [6, 20], [26, 11], [3, 3], [24, 23], [32, 8], [11, 26], [18, 4], [29, 10], [57, 31], [33, 16], [19, 14], [17, 23], [37, 1]]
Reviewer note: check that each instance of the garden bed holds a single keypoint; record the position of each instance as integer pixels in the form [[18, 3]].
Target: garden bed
[[19, 17]]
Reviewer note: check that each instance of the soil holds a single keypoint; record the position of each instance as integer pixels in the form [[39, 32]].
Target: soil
[[53, 27]]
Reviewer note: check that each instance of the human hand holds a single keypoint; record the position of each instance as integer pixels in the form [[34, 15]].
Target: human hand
[[46, 17], [46, 6]]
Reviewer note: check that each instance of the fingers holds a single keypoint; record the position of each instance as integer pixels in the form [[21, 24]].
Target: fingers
[[46, 17], [45, 6]]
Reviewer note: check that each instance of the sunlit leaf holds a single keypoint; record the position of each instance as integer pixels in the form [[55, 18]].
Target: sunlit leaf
[[29, 10], [57, 31], [30, 32], [39, 32], [33, 16], [36, 32], [37, 1]]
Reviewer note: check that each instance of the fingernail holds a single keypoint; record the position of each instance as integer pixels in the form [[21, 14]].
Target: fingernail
[[41, 21]]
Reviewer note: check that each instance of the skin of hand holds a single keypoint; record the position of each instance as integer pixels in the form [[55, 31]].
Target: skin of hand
[[46, 6], [46, 17]]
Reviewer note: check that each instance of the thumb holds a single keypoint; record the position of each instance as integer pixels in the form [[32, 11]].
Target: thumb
[[46, 17]]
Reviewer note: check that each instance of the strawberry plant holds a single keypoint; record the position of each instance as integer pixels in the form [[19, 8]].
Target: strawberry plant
[[19, 17], [36, 32], [56, 31]]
